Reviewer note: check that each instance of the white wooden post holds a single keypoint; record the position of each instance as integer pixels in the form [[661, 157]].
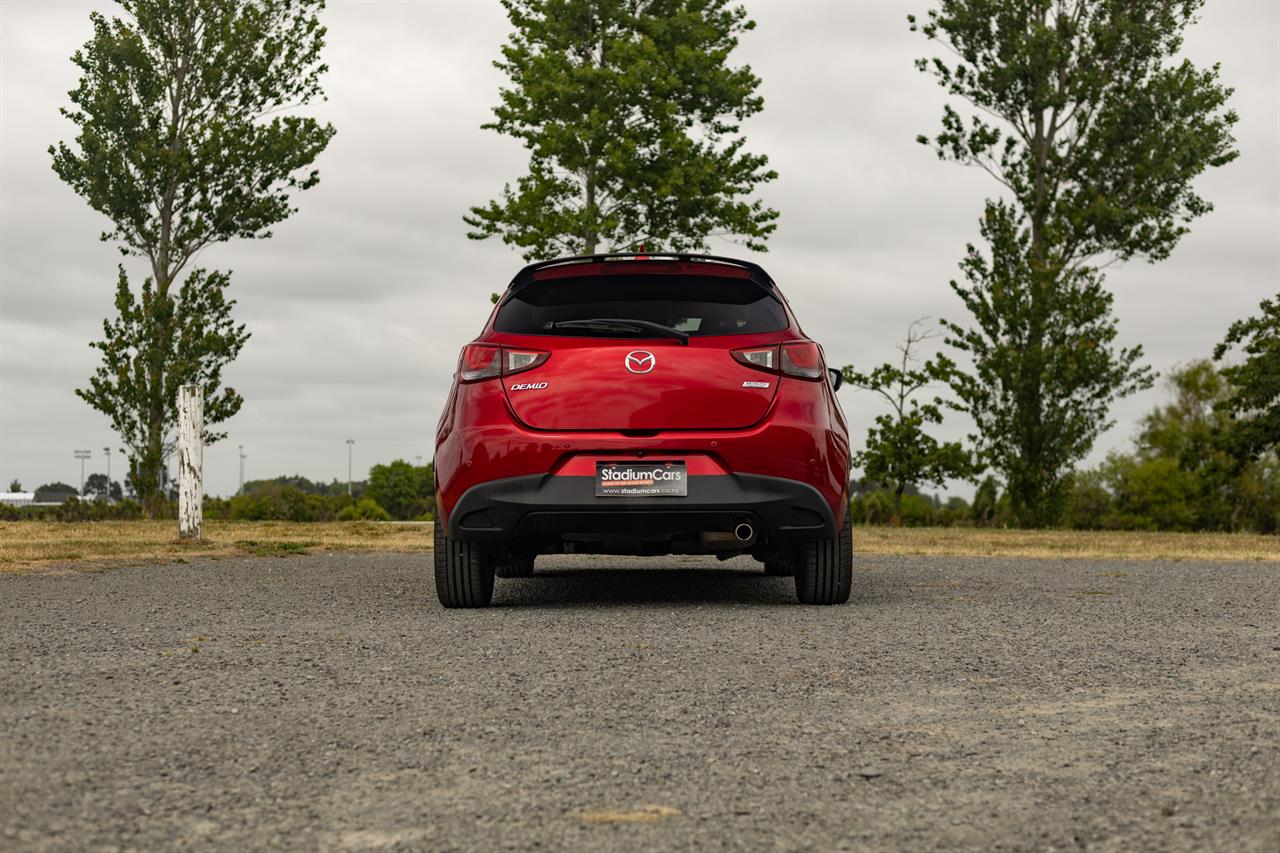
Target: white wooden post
[[190, 461]]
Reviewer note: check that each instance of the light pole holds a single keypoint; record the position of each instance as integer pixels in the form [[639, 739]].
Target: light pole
[[82, 455], [240, 491], [106, 451], [350, 444]]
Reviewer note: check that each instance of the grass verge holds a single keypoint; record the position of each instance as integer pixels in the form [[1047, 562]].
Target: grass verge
[[1091, 544], [29, 545]]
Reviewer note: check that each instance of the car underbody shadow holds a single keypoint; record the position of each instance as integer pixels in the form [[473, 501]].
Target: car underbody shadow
[[629, 585], [590, 580]]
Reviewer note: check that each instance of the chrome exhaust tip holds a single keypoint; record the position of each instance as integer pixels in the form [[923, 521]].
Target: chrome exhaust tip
[[744, 532]]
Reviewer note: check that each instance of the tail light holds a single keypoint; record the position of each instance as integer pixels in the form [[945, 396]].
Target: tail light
[[485, 361], [479, 361], [801, 359]]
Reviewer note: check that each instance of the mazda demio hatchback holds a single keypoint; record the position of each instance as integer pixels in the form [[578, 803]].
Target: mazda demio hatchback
[[644, 405]]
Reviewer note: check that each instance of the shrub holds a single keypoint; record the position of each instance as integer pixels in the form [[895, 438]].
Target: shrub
[[276, 502], [365, 509], [876, 508], [74, 509]]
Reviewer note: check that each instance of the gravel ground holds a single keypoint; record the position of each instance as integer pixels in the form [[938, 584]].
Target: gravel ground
[[610, 703]]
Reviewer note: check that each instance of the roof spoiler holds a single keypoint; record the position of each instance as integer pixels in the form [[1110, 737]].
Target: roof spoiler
[[757, 273]]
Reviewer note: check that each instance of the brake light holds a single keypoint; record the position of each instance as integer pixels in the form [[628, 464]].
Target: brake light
[[802, 359], [761, 358], [479, 361], [515, 360]]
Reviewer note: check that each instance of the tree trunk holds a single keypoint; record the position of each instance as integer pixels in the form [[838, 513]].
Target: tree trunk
[[590, 235], [160, 312], [150, 491], [1028, 490], [896, 521], [190, 462]]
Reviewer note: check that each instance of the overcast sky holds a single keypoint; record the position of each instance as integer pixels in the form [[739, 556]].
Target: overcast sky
[[359, 304]]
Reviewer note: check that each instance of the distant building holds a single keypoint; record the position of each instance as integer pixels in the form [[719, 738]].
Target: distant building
[[17, 498]]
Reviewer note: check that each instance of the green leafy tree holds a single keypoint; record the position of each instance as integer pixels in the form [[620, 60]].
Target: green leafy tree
[[1254, 405], [1089, 501], [1151, 494], [632, 117], [335, 488], [1037, 408], [1191, 431], [297, 481], [99, 486], [1183, 472], [1094, 131], [404, 490], [182, 143], [1262, 486], [193, 335], [96, 484], [983, 511], [15, 486], [899, 453]]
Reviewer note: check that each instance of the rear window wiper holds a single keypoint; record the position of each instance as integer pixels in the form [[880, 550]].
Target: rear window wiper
[[618, 324]]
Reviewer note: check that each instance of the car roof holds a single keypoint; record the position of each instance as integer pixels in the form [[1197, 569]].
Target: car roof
[[643, 263]]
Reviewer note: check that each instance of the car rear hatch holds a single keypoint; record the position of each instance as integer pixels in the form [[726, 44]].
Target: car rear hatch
[[611, 377], [597, 387]]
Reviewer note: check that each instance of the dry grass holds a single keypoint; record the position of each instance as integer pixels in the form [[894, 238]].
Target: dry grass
[[1092, 544], [25, 546]]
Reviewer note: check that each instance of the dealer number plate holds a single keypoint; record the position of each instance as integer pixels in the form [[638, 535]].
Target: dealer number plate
[[642, 479]]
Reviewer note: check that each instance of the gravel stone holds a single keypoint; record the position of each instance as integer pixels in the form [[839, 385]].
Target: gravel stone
[[614, 703]]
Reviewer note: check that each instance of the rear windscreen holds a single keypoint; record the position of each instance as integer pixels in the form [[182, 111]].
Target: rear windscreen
[[695, 305]]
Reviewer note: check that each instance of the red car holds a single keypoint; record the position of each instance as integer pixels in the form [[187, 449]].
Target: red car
[[645, 405]]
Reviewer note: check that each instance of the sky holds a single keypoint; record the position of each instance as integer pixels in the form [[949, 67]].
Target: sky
[[359, 303]]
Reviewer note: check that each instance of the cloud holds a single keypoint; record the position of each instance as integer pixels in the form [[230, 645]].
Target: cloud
[[359, 303]]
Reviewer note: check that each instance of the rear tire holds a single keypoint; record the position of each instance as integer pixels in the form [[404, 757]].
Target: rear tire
[[824, 570], [464, 572]]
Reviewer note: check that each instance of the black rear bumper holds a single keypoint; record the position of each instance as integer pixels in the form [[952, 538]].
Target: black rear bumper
[[543, 505]]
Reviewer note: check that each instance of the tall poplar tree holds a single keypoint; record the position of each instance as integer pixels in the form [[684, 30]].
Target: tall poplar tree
[[184, 141], [632, 116], [1094, 130]]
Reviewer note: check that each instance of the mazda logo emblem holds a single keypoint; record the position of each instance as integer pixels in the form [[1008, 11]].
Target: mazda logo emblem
[[640, 361]]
